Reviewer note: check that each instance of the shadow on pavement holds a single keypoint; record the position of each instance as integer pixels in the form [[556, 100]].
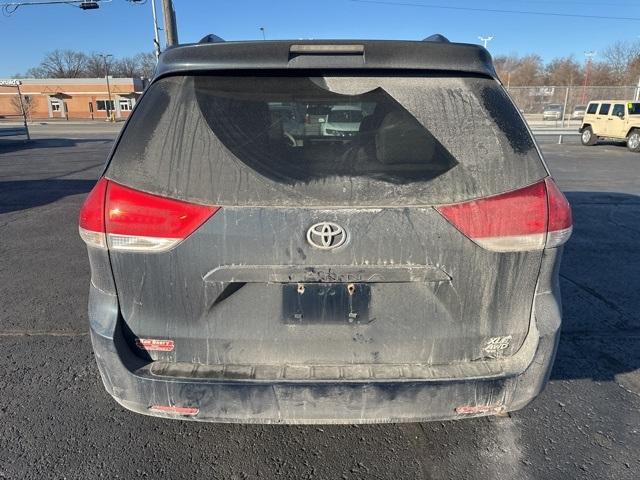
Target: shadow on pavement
[[22, 194], [600, 280], [7, 146]]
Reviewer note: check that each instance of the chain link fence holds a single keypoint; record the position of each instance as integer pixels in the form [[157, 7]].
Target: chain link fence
[[533, 101]]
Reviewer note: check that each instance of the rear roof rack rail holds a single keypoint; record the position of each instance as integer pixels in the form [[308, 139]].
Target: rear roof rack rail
[[436, 37], [211, 38]]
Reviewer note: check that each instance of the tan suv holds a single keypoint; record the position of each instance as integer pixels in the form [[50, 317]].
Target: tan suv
[[616, 119]]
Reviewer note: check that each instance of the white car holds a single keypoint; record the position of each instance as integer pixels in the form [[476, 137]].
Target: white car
[[343, 121], [552, 112], [578, 112]]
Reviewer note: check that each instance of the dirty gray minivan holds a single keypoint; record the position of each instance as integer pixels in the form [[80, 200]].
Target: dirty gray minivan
[[247, 269]]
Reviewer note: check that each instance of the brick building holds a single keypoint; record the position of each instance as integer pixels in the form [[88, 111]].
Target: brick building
[[72, 98]]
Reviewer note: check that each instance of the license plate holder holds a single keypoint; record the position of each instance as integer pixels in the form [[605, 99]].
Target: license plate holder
[[326, 303]]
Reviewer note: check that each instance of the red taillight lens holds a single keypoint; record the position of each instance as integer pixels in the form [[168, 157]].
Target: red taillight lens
[[514, 221], [91, 223], [139, 221]]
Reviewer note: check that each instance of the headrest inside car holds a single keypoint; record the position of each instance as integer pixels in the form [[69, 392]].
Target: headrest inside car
[[402, 139]]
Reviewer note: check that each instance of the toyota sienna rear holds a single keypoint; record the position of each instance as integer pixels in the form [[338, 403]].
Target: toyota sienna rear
[[248, 269]]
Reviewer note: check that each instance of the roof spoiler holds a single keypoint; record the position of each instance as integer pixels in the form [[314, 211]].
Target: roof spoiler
[[436, 37], [323, 55]]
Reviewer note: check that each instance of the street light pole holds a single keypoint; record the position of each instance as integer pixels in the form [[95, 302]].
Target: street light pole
[[156, 36], [485, 40], [589, 56], [106, 69], [264, 37]]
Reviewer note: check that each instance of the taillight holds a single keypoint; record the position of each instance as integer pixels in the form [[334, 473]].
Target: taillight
[[132, 220], [526, 219], [91, 223], [560, 220]]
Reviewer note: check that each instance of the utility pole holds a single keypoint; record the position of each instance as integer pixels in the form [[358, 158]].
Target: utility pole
[[106, 70], [485, 40], [589, 56], [156, 36], [170, 27]]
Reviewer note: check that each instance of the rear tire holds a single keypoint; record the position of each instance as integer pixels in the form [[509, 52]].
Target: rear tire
[[633, 140], [587, 137]]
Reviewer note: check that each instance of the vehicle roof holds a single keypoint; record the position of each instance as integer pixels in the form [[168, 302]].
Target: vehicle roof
[[326, 54]]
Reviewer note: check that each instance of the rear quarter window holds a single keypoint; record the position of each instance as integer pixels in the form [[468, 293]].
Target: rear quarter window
[[241, 140], [593, 108]]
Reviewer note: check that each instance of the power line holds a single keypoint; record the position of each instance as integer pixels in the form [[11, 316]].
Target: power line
[[494, 10], [597, 3], [10, 7]]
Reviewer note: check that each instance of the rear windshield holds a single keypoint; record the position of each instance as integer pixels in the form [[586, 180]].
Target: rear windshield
[[247, 140]]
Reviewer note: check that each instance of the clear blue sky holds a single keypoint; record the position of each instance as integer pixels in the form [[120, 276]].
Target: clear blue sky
[[124, 29]]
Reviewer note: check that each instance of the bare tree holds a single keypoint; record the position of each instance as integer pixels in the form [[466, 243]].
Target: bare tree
[[126, 67], [27, 104], [146, 64], [633, 71], [530, 71], [601, 73], [505, 65], [72, 64], [618, 57], [95, 67], [563, 71], [61, 64], [35, 72]]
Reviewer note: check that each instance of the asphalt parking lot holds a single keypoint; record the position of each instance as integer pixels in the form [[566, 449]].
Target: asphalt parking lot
[[56, 420]]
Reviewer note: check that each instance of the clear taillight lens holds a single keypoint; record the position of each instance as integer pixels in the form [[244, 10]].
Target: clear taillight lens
[[526, 219], [560, 220], [131, 220]]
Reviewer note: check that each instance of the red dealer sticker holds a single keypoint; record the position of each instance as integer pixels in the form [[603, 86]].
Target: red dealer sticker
[[477, 409], [174, 409], [154, 345]]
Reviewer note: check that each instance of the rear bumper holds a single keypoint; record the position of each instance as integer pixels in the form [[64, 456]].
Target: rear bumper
[[129, 380]]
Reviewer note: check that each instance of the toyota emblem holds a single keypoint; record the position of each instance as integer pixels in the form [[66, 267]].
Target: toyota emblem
[[326, 235]]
